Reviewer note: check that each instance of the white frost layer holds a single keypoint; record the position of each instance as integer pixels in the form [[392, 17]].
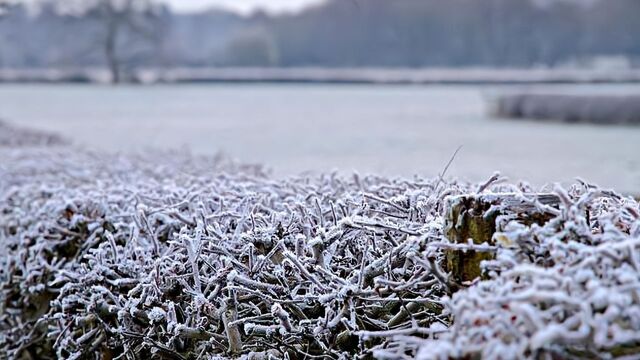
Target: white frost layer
[[171, 254]]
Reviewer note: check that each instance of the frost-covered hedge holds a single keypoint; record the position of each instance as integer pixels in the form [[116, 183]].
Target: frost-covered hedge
[[173, 256]]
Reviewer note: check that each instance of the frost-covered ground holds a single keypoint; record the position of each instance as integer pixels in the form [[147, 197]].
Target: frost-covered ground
[[386, 130], [170, 255]]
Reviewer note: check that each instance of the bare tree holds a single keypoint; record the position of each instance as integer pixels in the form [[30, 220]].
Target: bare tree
[[121, 21]]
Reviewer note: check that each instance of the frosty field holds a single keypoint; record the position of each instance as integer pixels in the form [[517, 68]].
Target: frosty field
[[174, 256], [319, 180], [387, 130]]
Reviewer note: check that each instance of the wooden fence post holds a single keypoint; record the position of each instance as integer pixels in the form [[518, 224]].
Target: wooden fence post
[[473, 216]]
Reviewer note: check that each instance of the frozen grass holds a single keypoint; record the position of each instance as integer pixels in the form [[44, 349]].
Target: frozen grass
[[11, 136], [168, 255]]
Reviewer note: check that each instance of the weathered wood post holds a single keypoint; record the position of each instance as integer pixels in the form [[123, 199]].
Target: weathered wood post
[[474, 216]]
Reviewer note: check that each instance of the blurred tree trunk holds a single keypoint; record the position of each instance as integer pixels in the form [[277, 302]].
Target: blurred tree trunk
[[129, 26], [110, 47]]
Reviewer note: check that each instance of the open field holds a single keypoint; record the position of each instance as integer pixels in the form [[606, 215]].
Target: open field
[[387, 130], [180, 256]]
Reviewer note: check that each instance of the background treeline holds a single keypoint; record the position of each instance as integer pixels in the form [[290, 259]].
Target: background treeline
[[340, 33]]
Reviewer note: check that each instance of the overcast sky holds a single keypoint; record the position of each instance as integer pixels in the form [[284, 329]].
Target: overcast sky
[[243, 6]]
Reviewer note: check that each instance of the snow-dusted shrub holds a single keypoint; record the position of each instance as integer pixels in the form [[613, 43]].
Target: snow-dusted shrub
[[168, 255], [568, 289], [191, 257]]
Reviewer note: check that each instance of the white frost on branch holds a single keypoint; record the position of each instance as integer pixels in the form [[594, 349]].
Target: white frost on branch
[[178, 256]]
